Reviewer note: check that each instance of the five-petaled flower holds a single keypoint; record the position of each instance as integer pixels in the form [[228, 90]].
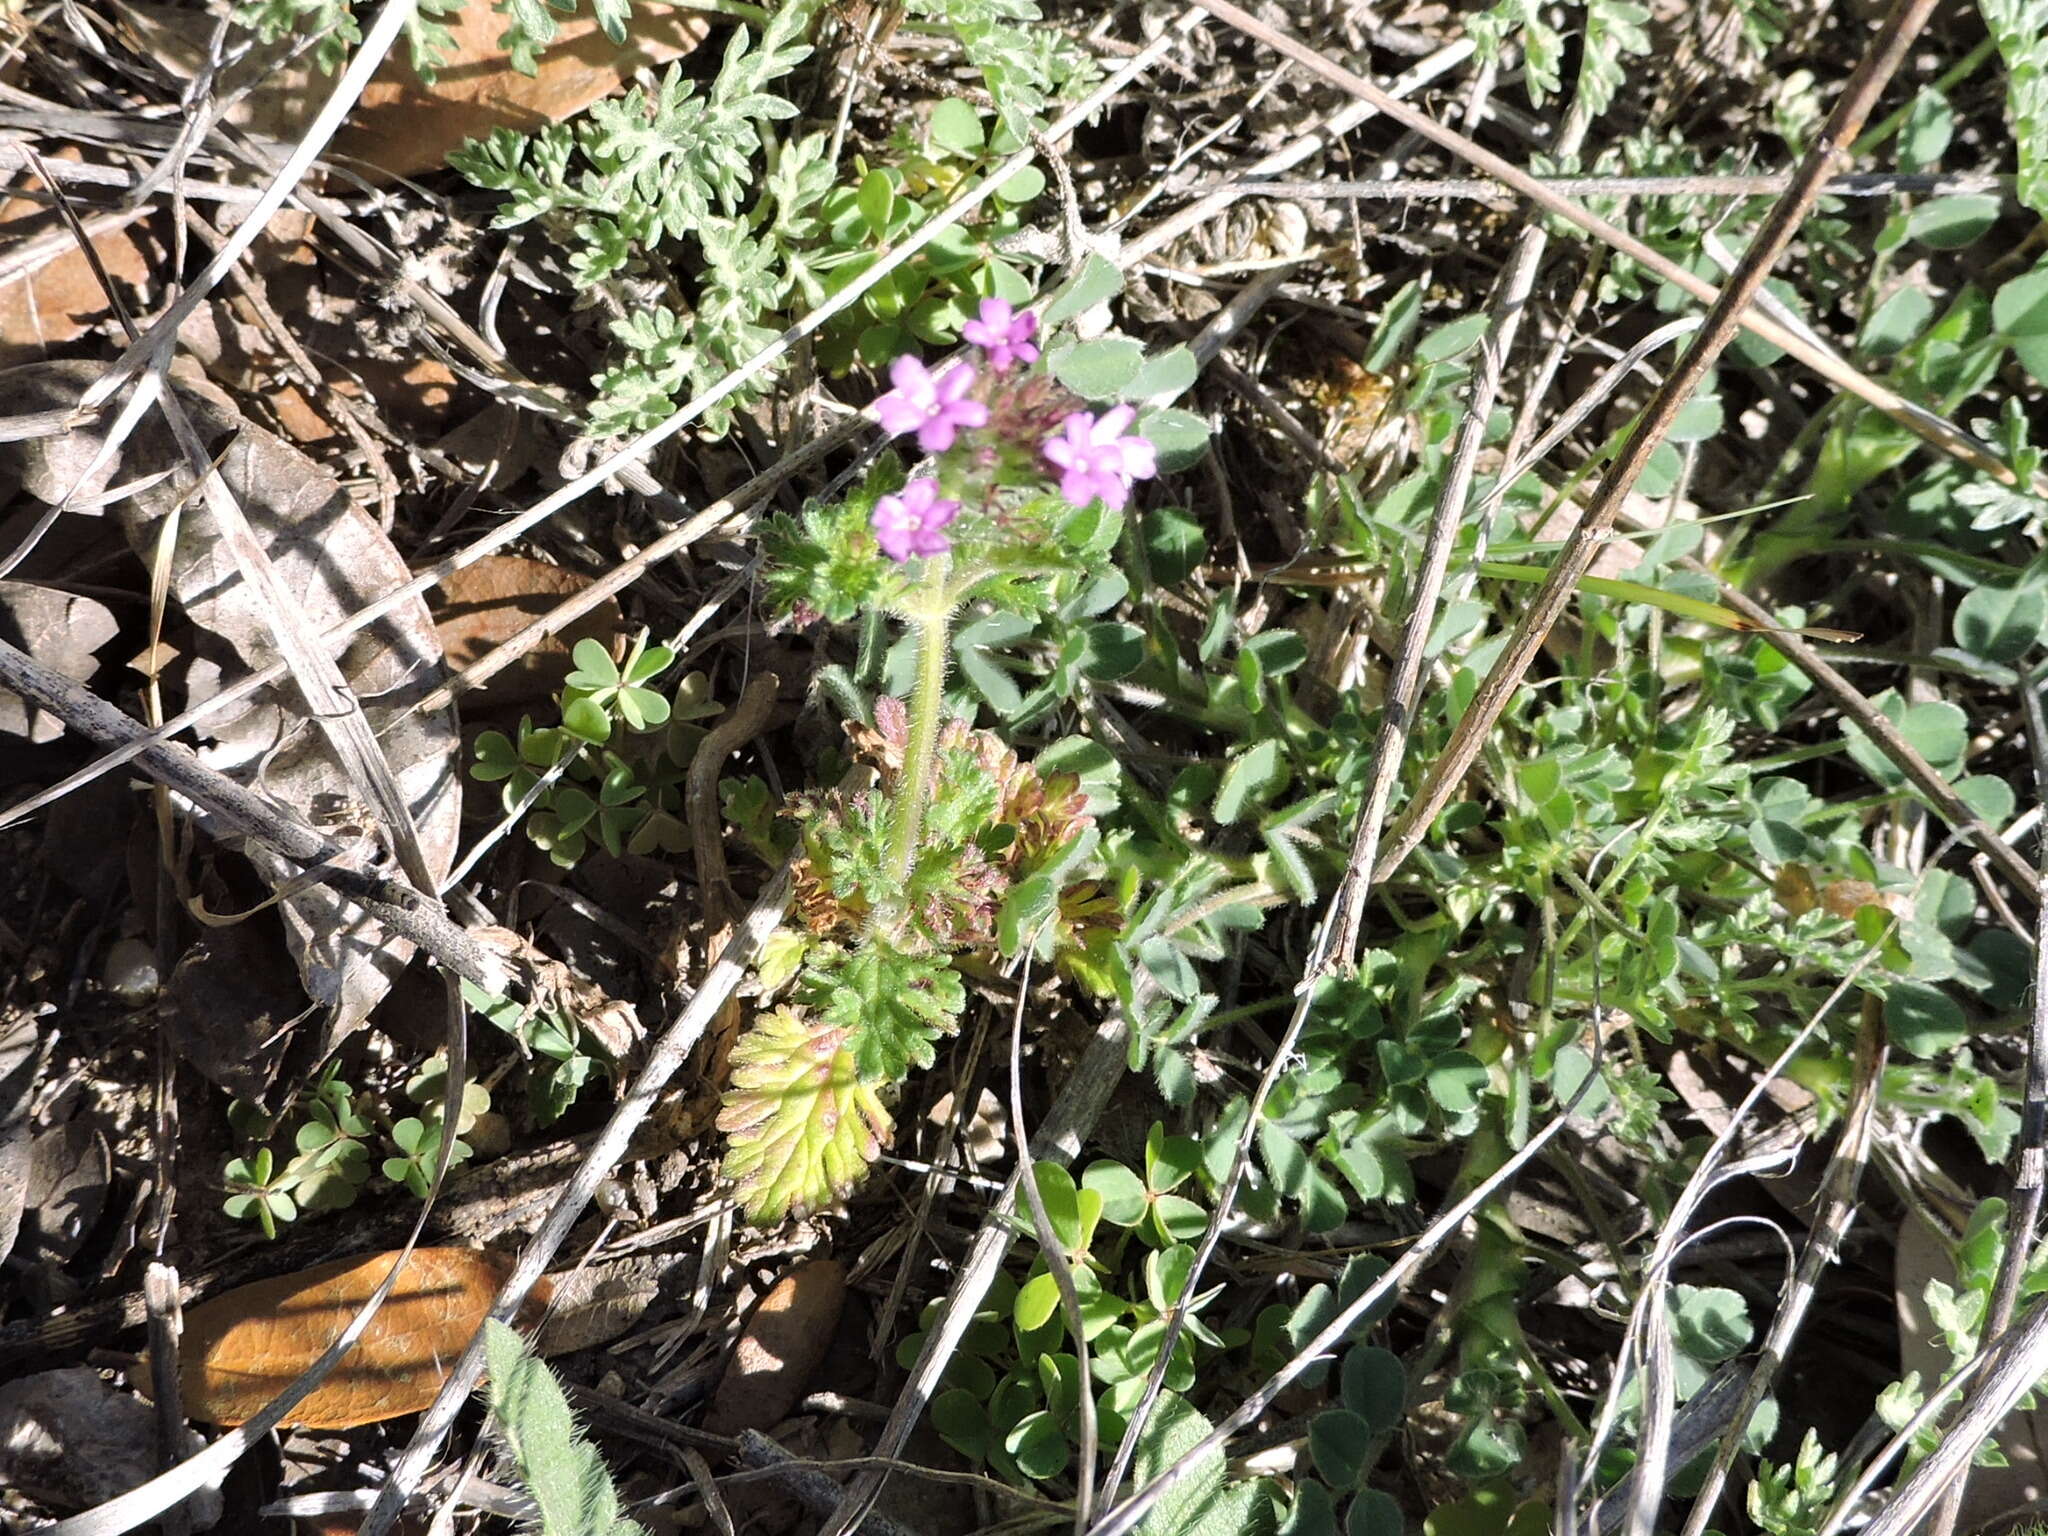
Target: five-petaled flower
[[934, 406], [910, 524], [1097, 461], [1003, 335]]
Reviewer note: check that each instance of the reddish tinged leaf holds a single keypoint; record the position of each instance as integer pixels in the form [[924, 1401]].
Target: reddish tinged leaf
[[243, 1348]]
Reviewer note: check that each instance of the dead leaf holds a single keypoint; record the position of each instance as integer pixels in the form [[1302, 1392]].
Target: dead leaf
[[779, 1349], [242, 1348], [70, 1441], [69, 1171], [233, 1000], [483, 605], [56, 301], [61, 630], [334, 559], [402, 127], [21, 1058], [596, 1303]]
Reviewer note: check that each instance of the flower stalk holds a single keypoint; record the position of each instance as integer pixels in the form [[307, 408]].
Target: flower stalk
[[934, 621]]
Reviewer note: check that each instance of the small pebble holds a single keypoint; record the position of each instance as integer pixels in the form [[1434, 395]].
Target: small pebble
[[130, 972]]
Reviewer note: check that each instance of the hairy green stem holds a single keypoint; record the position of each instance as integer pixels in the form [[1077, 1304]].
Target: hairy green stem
[[927, 704]]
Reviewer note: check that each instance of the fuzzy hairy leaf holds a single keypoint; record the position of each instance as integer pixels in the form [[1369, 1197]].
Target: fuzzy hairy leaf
[[890, 1006], [802, 1126], [2023, 44], [1200, 1502], [560, 1468]]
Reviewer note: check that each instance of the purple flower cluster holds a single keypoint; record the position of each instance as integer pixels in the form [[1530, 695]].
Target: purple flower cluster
[[1003, 335], [934, 406], [911, 524], [1098, 458]]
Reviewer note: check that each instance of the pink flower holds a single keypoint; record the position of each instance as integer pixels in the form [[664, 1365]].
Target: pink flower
[[1003, 336], [935, 407], [1097, 461], [909, 525]]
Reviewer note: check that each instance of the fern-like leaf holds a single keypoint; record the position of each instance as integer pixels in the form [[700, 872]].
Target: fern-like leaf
[[2023, 43], [888, 1006], [801, 1124], [560, 1468], [1614, 29], [1542, 44]]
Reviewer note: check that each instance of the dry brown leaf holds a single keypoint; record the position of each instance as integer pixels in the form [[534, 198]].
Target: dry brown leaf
[[482, 605], [60, 630], [331, 555], [60, 299], [402, 126], [21, 1060], [243, 1348], [70, 1440], [779, 1350]]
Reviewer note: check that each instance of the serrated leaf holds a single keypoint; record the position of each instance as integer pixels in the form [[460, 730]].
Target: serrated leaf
[[802, 1125], [891, 1007]]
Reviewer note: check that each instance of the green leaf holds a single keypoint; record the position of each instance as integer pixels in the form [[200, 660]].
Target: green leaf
[[594, 666], [1098, 281], [1170, 1161], [876, 198], [1709, 1323], [1037, 1300], [1339, 1440], [1164, 378], [1895, 323], [1950, 223], [892, 1007], [1456, 1080], [1100, 369], [1374, 1386], [559, 1468], [1180, 438], [1313, 1514], [1112, 651], [585, 719], [1930, 124], [957, 126], [2016, 27], [1937, 729], [1198, 1502], [1449, 341], [2020, 311], [1923, 1020], [1253, 776], [961, 1420], [2001, 624], [1374, 1512], [1124, 1199], [1039, 1446], [1025, 185], [801, 1126], [1174, 546]]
